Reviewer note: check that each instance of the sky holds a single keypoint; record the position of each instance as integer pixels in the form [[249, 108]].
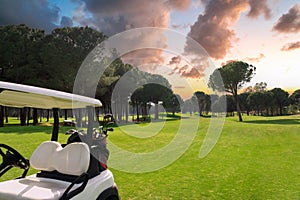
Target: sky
[[264, 33]]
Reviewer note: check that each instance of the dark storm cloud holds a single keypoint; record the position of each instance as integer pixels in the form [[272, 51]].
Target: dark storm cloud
[[34, 13], [289, 22]]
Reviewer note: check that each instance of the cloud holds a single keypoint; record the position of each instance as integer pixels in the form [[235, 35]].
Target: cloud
[[228, 61], [185, 70], [291, 46], [289, 22], [256, 59], [193, 73], [66, 22], [213, 29], [34, 13], [175, 60], [180, 4], [259, 7], [180, 26], [144, 59], [111, 17]]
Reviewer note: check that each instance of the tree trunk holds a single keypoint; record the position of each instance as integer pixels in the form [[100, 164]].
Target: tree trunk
[[28, 116], [280, 110], [48, 115], [126, 112], [35, 116], [6, 115], [41, 115], [1, 116], [66, 114], [137, 112], [156, 111], [200, 108], [238, 109], [23, 116]]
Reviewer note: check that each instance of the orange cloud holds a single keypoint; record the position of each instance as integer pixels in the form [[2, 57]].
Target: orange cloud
[[256, 59], [185, 70], [175, 60]]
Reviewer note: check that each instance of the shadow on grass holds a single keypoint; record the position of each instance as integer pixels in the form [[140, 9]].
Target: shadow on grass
[[30, 129], [275, 121]]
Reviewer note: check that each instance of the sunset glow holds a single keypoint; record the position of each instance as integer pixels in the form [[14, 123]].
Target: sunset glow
[[264, 33]]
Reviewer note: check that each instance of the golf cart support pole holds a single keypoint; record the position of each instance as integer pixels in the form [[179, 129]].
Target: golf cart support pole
[[91, 116], [55, 125]]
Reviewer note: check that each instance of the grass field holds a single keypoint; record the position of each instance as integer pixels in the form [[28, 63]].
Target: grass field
[[256, 159]]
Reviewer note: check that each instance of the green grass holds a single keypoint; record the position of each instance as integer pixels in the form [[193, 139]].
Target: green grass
[[256, 159]]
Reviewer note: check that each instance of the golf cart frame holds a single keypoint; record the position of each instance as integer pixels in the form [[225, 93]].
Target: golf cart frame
[[67, 171]]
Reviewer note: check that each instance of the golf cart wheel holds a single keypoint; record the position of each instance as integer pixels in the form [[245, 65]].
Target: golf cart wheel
[[112, 198], [110, 193]]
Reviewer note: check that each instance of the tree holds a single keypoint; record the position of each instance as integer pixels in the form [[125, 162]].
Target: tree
[[295, 97], [295, 100], [281, 99], [19, 48], [245, 106], [230, 104], [262, 86], [207, 103], [234, 75], [173, 104], [255, 100], [201, 101]]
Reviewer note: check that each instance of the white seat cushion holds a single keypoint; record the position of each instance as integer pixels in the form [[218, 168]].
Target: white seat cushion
[[74, 159]]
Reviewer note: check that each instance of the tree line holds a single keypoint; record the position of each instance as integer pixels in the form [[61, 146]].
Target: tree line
[[51, 60], [253, 101]]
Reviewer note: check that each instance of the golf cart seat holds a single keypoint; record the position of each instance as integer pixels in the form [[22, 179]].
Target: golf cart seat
[[49, 156], [72, 160]]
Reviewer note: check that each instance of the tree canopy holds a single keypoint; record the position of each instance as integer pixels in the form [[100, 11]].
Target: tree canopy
[[30, 56], [233, 76]]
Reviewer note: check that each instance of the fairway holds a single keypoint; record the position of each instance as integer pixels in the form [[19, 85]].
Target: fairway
[[255, 159]]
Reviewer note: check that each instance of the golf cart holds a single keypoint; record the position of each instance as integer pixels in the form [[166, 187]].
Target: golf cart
[[73, 170]]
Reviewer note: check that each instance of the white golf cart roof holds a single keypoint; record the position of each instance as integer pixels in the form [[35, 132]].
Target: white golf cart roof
[[18, 95]]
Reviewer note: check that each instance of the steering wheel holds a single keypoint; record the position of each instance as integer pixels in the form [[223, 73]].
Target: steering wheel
[[12, 158]]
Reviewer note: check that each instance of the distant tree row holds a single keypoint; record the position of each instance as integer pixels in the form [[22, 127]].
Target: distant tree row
[[255, 100]]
